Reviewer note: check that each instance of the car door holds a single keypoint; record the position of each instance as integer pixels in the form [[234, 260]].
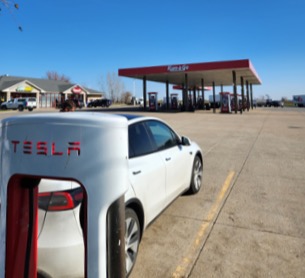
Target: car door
[[177, 158], [10, 104], [147, 171]]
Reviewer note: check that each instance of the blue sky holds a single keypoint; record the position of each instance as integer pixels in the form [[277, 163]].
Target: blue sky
[[85, 40]]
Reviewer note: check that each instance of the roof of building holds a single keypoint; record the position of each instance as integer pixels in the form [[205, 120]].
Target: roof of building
[[45, 85]]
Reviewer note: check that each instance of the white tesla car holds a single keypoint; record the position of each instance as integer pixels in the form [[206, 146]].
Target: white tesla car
[[162, 166]]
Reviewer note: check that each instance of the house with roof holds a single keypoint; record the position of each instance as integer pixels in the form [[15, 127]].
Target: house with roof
[[48, 93]]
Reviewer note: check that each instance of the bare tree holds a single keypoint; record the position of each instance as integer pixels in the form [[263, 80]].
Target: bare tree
[[126, 97], [53, 75], [102, 85], [10, 5], [115, 86]]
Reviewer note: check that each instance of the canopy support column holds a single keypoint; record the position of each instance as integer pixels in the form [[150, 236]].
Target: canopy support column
[[251, 92], [185, 94], [167, 95], [144, 91], [202, 88], [234, 91], [248, 98], [214, 98], [242, 93], [194, 103]]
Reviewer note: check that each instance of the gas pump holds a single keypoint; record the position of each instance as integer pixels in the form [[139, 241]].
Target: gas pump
[[239, 104], [68, 146], [153, 101], [225, 102], [174, 101]]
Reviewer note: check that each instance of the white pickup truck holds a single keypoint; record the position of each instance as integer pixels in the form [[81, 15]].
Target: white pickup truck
[[20, 104]]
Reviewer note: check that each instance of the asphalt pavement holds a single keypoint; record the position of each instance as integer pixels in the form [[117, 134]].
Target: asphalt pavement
[[248, 219]]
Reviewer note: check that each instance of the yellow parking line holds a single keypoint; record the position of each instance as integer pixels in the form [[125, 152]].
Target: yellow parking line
[[187, 260]]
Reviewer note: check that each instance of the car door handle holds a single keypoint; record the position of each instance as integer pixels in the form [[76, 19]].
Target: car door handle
[[136, 172], [168, 158]]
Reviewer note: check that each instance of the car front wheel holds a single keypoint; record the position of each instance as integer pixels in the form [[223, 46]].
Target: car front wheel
[[196, 181], [132, 239]]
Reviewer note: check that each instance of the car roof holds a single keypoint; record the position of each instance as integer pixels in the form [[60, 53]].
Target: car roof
[[133, 118], [130, 117]]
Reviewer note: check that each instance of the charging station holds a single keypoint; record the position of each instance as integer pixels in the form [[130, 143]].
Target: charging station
[[89, 148]]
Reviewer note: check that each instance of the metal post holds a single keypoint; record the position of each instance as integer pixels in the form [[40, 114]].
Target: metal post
[[194, 98], [185, 94], [144, 92], [248, 98], [182, 94], [234, 90], [251, 92], [242, 93], [167, 95], [214, 98], [202, 86]]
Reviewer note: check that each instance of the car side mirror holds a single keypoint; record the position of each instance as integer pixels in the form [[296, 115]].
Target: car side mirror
[[185, 141]]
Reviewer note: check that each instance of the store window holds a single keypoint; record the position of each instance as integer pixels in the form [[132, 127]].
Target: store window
[[48, 100]]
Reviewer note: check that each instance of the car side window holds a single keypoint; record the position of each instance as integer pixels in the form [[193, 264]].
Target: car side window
[[163, 135], [140, 142]]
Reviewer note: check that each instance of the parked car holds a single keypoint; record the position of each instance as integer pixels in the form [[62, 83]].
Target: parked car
[[268, 102], [90, 103], [20, 104], [277, 103], [100, 103], [162, 166]]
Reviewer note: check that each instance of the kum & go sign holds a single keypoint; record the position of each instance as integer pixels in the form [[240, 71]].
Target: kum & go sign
[[177, 68]]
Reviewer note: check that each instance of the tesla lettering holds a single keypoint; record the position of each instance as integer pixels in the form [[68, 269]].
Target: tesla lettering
[[42, 148]]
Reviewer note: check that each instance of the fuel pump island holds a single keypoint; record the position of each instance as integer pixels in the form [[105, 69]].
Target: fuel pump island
[[83, 147]]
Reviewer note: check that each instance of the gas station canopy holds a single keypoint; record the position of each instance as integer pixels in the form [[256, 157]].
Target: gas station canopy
[[217, 73]]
